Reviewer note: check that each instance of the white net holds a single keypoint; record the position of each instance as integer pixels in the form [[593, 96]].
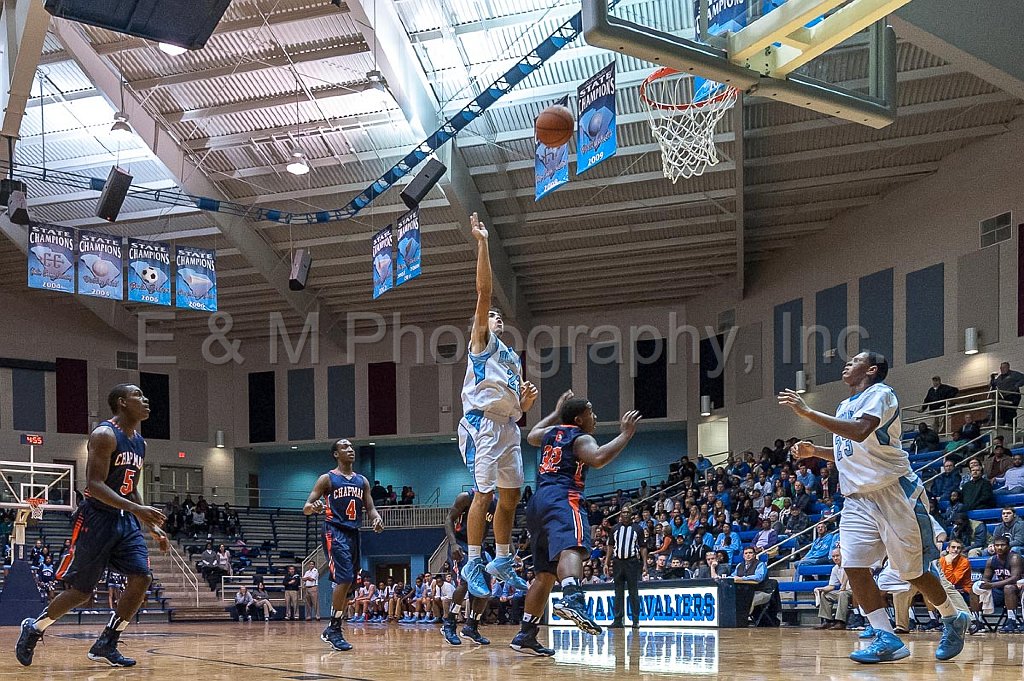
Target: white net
[[36, 505], [683, 111]]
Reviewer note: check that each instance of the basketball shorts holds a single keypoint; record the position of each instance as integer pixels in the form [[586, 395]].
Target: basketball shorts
[[102, 536], [492, 451], [556, 522], [891, 521], [342, 550]]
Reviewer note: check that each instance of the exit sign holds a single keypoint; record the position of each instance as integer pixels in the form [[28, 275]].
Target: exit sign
[[32, 439]]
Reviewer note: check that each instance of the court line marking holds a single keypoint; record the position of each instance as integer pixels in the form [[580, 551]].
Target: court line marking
[[295, 672]]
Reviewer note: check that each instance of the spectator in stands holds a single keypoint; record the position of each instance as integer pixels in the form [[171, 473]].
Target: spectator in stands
[[927, 439], [703, 465], [727, 541], [261, 600], [977, 492], [754, 571], [527, 495], [747, 516], [973, 536], [722, 566], [999, 583], [955, 507], [243, 604], [378, 493], [408, 496], [703, 569], [202, 504], [798, 522], [834, 598], [188, 504], [232, 524], [209, 567], [391, 499], [969, 430], [947, 481], [643, 492], [224, 560], [780, 453], [802, 499], [45, 578], [934, 402], [292, 581], [996, 465], [1012, 481], [115, 586], [957, 568], [821, 549], [766, 536], [1007, 383], [198, 523], [829, 481], [311, 591], [1011, 527], [806, 477]]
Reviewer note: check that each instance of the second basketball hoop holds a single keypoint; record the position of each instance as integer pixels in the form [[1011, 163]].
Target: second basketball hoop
[[683, 111]]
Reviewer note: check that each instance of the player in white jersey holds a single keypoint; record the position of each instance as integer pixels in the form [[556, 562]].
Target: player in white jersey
[[494, 398], [884, 512]]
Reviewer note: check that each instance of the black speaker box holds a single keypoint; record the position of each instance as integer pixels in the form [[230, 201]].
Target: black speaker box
[[301, 261], [114, 191], [187, 23], [8, 185], [423, 183]]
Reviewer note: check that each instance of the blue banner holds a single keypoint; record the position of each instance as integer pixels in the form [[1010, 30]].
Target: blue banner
[[725, 15], [196, 281], [552, 168], [51, 258], [595, 104], [407, 233], [383, 262], [99, 266], [149, 272]]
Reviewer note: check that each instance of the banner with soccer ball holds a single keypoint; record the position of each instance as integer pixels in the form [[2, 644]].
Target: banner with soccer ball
[[149, 272]]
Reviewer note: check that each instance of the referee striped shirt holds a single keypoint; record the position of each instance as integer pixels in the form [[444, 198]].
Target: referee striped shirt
[[625, 538]]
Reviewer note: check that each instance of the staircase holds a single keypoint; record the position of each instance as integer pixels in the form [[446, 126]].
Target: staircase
[[180, 591]]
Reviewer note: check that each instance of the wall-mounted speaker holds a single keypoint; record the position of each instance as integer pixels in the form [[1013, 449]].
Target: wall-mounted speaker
[[114, 192], [301, 261], [423, 183], [17, 208]]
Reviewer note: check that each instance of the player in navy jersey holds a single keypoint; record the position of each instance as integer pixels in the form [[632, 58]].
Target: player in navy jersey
[[455, 528], [108, 530], [343, 495], [558, 525]]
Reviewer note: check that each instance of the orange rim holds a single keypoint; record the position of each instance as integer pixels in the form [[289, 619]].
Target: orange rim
[[666, 71]]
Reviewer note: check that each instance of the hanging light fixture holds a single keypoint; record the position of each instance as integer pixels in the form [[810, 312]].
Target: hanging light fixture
[[801, 381], [971, 340], [172, 50], [120, 129], [298, 164], [705, 405], [219, 441]]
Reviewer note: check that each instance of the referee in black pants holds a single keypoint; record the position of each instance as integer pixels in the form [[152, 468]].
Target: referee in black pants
[[624, 555]]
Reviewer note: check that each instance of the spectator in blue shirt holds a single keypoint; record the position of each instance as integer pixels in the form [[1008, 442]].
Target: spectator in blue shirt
[[722, 494], [808, 478], [820, 552], [703, 465], [947, 481], [755, 571], [727, 541]]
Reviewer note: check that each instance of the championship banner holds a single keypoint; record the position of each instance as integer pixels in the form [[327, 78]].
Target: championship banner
[[727, 15], [51, 258], [149, 272], [196, 278], [595, 110], [551, 164], [383, 262], [99, 266], [407, 232]]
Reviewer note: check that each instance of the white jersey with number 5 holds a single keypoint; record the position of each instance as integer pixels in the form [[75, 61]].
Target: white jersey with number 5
[[493, 380], [878, 460]]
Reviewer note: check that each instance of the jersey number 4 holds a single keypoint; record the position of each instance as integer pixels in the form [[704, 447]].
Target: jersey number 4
[[128, 486], [350, 510], [552, 457]]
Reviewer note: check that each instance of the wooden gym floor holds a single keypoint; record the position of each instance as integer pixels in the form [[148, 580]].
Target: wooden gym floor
[[257, 651]]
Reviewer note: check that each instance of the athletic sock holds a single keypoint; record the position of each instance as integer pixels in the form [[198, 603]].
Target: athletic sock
[[530, 623], [474, 552], [42, 622], [570, 581], [880, 620], [502, 550], [336, 619], [946, 608], [1012, 614]]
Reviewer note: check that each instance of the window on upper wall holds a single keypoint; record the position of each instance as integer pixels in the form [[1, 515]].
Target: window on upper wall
[[996, 229]]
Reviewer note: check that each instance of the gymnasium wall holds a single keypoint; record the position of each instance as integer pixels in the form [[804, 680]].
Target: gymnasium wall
[[914, 277]]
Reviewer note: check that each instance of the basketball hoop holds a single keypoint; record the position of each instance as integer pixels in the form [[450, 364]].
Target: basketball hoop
[[36, 505], [683, 110]]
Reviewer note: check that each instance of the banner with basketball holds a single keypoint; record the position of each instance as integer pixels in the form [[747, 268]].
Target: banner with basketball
[[595, 106], [51, 258], [407, 234], [196, 282], [149, 272], [99, 266], [553, 131], [383, 262]]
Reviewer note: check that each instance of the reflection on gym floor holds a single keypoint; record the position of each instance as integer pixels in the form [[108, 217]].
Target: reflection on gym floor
[[673, 651]]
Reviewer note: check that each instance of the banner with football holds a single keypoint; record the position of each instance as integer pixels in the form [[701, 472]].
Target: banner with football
[[51, 258], [149, 272], [196, 281], [407, 233], [99, 266]]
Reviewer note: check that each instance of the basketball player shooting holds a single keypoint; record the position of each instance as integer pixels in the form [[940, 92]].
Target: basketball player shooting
[[343, 495], [108, 530], [494, 398], [884, 513]]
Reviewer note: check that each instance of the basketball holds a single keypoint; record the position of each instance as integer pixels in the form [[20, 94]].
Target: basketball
[[554, 126]]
